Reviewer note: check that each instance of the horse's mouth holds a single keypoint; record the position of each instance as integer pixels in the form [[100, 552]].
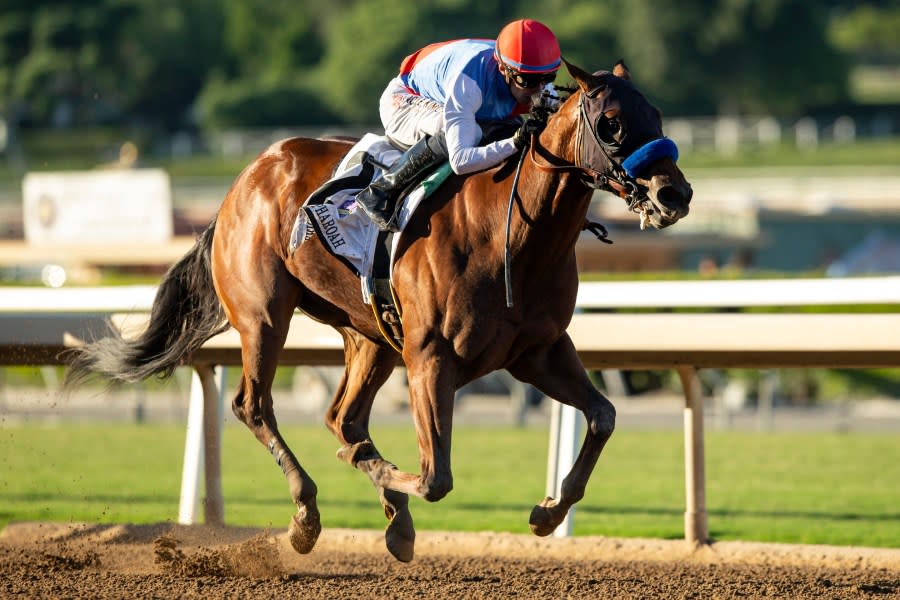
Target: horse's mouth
[[667, 205]]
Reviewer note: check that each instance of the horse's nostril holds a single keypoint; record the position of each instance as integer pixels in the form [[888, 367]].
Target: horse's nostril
[[672, 199]]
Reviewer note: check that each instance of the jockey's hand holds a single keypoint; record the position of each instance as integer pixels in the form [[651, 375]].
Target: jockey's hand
[[530, 127]]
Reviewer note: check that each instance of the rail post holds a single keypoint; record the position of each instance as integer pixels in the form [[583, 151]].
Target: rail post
[[695, 519], [202, 446], [565, 433]]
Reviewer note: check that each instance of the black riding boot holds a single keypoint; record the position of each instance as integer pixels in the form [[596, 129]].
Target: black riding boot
[[379, 200]]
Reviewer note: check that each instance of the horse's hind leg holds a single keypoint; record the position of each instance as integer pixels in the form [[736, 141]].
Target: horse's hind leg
[[260, 309], [557, 371], [368, 366], [253, 406]]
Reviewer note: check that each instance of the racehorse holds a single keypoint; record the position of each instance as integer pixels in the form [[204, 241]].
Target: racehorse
[[449, 278]]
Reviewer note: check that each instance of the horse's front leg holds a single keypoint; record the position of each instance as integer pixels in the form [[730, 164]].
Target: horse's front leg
[[431, 388], [557, 371], [368, 366]]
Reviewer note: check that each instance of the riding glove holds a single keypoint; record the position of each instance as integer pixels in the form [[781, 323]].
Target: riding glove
[[530, 127]]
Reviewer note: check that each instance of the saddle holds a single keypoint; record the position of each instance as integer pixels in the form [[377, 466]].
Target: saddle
[[330, 213]]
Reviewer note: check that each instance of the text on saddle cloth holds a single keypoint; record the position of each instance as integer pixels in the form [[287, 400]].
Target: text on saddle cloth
[[346, 232]]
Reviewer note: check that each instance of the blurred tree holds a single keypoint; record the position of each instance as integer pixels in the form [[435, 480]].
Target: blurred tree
[[271, 40], [366, 44], [279, 62], [165, 53], [869, 31], [265, 77], [732, 56], [586, 30], [78, 62], [249, 102], [56, 60]]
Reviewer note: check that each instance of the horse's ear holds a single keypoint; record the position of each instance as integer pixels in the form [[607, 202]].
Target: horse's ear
[[581, 77], [620, 70]]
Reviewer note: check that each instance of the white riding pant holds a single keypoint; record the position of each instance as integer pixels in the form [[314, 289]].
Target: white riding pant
[[407, 118]]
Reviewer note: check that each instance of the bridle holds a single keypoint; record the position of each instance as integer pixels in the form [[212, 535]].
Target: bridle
[[614, 176], [617, 179]]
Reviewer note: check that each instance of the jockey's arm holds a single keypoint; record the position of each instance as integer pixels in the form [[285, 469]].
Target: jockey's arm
[[463, 133]]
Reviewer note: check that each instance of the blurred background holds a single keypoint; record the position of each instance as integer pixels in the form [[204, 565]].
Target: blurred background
[[786, 112]]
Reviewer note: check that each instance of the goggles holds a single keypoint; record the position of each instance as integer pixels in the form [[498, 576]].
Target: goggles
[[530, 80]]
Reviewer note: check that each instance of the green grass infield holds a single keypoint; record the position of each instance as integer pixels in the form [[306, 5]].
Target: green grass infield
[[816, 488]]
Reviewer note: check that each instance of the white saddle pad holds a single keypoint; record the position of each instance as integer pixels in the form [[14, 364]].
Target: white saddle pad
[[347, 231]]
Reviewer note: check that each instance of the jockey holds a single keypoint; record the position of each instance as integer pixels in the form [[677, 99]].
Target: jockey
[[448, 94]]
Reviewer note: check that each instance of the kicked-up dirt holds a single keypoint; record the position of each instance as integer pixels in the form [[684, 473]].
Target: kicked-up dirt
[[52, 560]]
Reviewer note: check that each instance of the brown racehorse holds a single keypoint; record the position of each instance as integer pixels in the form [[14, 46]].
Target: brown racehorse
[[449, 281]]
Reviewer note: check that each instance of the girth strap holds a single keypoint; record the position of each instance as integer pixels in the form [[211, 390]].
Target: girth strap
[[382, 298]]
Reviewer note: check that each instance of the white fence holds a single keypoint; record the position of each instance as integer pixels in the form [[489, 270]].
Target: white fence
[[726, 135]]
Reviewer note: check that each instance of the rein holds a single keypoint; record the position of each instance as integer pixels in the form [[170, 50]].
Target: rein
[[507, 274]]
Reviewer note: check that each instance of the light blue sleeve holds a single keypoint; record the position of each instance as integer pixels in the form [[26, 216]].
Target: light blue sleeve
[[464, 98]]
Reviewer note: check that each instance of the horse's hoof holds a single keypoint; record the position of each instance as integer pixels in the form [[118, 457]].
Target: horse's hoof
[[304, 530], [542, 520], [400, 536]]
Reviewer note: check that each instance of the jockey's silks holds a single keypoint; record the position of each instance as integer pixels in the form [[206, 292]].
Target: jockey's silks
[[432, 70]]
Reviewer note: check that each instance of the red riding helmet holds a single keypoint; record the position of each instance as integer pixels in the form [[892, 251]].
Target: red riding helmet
[[528, 46]]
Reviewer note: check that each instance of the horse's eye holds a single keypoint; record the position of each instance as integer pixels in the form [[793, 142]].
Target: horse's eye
[[608, 130]]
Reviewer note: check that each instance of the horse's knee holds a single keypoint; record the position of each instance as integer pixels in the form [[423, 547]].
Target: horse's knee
[[435, 486], [602, 418]]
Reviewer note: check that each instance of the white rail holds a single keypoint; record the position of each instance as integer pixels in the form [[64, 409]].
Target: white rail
[[739, 293], [591, 295]]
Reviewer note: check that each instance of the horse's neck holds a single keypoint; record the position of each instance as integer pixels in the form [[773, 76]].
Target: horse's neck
[[555, 209], [554, 200]]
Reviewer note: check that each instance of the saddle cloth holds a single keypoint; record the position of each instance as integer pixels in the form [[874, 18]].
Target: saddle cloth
[[345, 230]]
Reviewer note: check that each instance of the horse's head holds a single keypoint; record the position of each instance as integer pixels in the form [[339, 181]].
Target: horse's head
[[620, 143]]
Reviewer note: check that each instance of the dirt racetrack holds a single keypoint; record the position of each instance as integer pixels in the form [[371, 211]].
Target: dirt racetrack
[[51, 560]]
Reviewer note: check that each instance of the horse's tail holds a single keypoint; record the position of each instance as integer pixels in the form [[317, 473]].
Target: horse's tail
[[185, 313]]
